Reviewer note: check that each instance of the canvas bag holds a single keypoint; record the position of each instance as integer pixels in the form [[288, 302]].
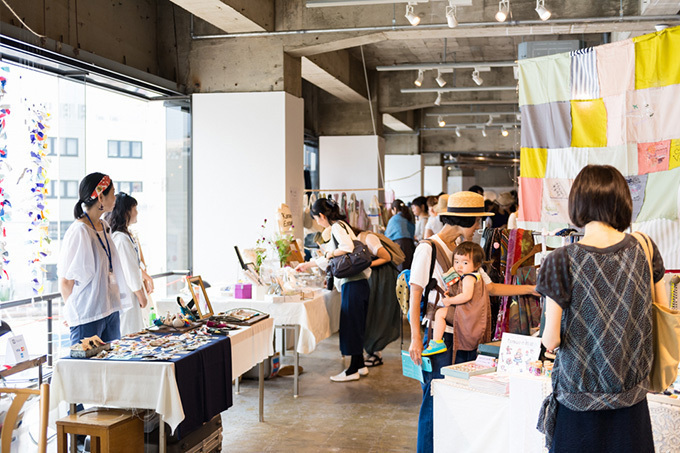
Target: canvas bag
[[665, 331]]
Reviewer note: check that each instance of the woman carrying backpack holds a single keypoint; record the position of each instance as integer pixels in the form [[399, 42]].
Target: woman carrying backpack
[[383, 317], [354, 290]]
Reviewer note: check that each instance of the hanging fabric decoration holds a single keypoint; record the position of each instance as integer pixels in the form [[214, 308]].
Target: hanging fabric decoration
[[5, 168], [37, 180]]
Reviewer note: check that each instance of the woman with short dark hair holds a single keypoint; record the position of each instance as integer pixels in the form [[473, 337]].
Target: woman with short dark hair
[[599, 313], [89, 269], [420, 211], [401, 229]]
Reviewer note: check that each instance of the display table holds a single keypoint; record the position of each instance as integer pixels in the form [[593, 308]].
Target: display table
[[468, 420], [312, 320]]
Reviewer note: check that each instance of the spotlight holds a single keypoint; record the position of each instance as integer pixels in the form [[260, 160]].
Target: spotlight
[[504, 131], [542, 11], [419, 80], [451, 16], [484, 131], [490, 122], [476, 77], [441, 121], [411, 16], [457, 131], [503, 10], [438, 101], [440, 80]]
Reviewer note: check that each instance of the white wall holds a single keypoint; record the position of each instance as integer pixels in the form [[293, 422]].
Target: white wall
[[247, 160], [404, 175], [347, 163], [433, 179]]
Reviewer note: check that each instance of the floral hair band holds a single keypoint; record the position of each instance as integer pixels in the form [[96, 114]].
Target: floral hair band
[[101, 187]]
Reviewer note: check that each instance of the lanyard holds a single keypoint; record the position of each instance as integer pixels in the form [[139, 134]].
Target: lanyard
[[107, 248]]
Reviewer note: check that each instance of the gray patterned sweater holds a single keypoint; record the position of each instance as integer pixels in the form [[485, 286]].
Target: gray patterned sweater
[[605, 353]]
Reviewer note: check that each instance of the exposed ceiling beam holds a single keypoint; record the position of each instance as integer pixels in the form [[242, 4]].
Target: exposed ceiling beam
[[457, 89], [395, 124], [233, 16], [336, 3], [337, 73], [462, 65]]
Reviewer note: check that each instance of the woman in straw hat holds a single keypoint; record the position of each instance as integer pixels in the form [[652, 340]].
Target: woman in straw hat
[[460, 218]]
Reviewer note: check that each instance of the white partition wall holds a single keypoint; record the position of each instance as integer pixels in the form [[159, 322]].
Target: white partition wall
[[404, 175], [247, 160], [434, 178], [348, 163]]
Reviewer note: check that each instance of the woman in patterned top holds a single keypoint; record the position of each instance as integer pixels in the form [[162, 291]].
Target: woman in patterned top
[[599, 314]]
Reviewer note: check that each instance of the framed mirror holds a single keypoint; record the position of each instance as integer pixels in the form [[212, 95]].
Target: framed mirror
[[200, 297]]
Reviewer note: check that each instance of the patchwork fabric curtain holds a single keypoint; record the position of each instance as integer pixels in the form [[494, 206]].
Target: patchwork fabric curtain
[[615, 104]]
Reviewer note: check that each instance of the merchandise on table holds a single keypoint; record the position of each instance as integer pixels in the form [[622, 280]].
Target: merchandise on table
[[482, 365], [492, 382], [240, 316]]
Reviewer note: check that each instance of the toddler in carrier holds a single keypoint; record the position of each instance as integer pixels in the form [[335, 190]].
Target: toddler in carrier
[[467, 307]]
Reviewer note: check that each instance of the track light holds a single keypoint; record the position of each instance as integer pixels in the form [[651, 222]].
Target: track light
[[411, 16], [438, 101], [484, 131], [419, 81], [457, 131], [503, 10], [440, 80], [504, 131], [440, 121], [476, 77], [451, 16], [542, 11], [490, 122]]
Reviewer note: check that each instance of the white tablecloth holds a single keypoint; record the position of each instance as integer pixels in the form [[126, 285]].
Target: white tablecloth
[[318, 318], [466, 420], [251, 345], [149, 385]]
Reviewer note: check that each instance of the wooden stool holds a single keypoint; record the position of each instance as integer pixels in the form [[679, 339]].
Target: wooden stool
[[110, 430]]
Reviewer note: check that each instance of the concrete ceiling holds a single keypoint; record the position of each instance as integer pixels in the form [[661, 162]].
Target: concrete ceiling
[[330, 41]]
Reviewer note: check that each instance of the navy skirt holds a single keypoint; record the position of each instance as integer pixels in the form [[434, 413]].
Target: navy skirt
[[617, 430]]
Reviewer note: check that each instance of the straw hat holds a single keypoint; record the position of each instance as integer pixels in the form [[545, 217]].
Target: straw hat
[[441, 203], [466, 204]]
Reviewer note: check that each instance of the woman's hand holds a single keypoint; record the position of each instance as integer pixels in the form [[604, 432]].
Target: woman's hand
[[415, 350], [148, 282], [303, 267]]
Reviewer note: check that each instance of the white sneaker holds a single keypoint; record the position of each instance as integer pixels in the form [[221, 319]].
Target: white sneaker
[[344, 377], [363, 371]]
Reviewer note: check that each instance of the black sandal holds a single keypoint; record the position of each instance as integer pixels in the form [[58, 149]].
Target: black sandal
[[373, 360]]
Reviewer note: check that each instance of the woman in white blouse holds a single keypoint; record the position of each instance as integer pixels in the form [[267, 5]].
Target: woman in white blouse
[[354, 290], [123, 215], [89, 270]]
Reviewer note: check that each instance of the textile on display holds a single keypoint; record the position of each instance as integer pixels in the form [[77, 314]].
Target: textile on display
[[613, 104]]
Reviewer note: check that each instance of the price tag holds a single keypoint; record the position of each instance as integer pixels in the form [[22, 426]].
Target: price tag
[[16, 348]]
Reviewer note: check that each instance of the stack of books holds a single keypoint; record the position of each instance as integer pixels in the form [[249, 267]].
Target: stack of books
[[483, 364], [492, 382]]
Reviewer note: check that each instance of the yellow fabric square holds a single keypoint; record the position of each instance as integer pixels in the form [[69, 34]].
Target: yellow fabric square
[[533, 162], [674, 157], [588, 124], [656, 59]]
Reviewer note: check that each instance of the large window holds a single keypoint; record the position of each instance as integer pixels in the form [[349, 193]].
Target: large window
[[83, 129]]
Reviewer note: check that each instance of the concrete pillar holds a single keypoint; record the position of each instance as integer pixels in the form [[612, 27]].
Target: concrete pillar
[[349, 163], [247, 160], [337, 117]]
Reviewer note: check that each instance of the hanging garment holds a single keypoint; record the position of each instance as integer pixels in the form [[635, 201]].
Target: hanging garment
[[363, 222], [523, 313], [343, 204]]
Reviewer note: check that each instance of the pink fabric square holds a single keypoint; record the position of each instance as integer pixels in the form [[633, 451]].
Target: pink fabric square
[[530, 199], [653, 157], [616, 119], [616, 68]]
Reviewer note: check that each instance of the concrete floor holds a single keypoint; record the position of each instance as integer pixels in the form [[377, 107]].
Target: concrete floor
[[375, 414]]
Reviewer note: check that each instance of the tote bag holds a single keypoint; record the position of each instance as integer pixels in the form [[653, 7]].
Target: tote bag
[[666, 331]]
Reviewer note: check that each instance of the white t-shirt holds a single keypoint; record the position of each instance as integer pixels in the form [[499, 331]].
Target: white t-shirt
[[421, 224], [131, 320], [420, 270], [434, 224], [83, 259], [372, 242]]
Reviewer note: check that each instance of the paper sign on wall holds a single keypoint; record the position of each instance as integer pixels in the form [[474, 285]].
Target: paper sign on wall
[[16, 349], [517, 352], [285, 218]]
